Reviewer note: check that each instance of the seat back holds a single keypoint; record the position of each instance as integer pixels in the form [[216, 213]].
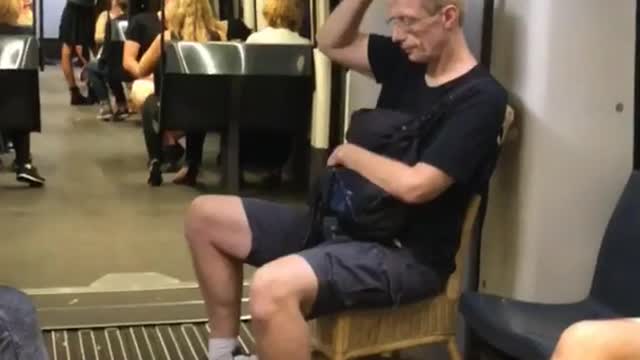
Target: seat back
[[275, 106], [454, 284], [269, 84], [196, 86], [19, 83], [19, 52], [615, 282], [473, 219]]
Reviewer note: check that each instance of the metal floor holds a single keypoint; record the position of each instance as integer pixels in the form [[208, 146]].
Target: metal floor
[[153, 342]]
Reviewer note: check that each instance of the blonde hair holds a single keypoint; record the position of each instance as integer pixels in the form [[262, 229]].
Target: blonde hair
[[435, 5], [10, 11], [194, 20], [283, 14]]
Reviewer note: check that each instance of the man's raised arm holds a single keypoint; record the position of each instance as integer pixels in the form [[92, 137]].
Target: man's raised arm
[[340, 40]]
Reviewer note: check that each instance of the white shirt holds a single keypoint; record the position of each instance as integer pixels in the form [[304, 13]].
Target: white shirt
[[271, 35]]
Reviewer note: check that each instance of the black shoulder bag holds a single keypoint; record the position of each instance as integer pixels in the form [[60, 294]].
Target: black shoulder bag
[[361, 209]]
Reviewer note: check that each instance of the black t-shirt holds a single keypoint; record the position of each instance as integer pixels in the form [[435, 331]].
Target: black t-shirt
[[143, 29], [463, 146]]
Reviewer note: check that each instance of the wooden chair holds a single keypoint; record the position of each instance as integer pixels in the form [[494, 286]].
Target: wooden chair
[[368, 332]]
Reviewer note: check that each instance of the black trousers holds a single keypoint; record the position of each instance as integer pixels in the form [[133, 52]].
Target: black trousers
[[153, 135], [22, 145]]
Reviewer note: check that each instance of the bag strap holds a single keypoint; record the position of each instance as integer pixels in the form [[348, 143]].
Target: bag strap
[[439, 108]]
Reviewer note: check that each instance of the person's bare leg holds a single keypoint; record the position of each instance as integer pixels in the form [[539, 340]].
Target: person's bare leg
[[600, 340], [79, 53], [281, 292], [218, 234], [67, 69]]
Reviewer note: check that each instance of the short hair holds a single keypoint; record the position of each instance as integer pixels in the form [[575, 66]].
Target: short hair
[[434, 5], [10, 11], [283, 13]]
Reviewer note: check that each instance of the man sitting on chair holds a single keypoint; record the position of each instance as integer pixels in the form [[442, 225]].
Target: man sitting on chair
[[425, 59]]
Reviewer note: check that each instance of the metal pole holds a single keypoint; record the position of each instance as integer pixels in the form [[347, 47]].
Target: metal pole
[[312, 21], [636, 142], [487, 32], [38, 23]]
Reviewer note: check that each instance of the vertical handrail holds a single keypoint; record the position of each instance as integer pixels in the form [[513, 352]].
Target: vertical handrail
[[487, 33], [312, 22], [636, 139], [38, 23]]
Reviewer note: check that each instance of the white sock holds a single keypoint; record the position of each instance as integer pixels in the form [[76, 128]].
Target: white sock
[[245, 357], [221, 348]]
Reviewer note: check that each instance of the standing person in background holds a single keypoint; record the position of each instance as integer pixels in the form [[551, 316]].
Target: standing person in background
[[25, 171], [76, 35]]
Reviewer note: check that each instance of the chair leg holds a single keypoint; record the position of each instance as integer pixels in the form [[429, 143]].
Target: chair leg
[[454, 354]]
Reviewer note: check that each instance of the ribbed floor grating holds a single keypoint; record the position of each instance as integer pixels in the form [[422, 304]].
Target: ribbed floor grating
[[151, 342]]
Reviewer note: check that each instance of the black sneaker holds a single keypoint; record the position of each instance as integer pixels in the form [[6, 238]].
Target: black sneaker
[[238, 351], [15, 167], [120, 115], [172, 155], [155, 173], [29, 174]]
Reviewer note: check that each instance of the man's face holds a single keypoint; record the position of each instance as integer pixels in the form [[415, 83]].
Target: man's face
[[420, 34]]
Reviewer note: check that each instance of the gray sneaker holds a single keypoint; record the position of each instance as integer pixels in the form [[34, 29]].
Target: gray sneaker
[[104, 113]]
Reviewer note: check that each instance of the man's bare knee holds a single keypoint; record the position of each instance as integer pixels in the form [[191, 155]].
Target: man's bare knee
[[287, 283], [575, 340], [269, 292], [218, 221]]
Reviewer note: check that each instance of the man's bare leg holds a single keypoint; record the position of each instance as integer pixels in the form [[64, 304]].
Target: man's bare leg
[[281, 292], [218, 234], [600, 340]]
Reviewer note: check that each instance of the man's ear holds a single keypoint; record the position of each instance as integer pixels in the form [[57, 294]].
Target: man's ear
[[451, 16]]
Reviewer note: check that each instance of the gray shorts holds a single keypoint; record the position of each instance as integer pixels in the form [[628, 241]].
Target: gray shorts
[[351, 274]]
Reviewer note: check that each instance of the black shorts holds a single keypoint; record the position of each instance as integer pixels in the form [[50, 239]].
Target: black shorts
[[351, 274], [77, 25]]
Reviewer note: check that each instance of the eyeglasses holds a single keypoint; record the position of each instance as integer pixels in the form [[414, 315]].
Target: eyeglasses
[[403, 22], [409, 22]]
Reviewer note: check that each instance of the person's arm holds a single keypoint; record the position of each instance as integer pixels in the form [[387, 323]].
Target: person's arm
[[149, 59], [461, 146], [130, 56], [411, 184], [101, 24], [341, 41], [148, 62]]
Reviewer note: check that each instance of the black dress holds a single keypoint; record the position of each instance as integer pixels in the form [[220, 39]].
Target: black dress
[[77, 25]]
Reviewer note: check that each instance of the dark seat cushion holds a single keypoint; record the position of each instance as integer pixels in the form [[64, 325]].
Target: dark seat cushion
[[521, 329]]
